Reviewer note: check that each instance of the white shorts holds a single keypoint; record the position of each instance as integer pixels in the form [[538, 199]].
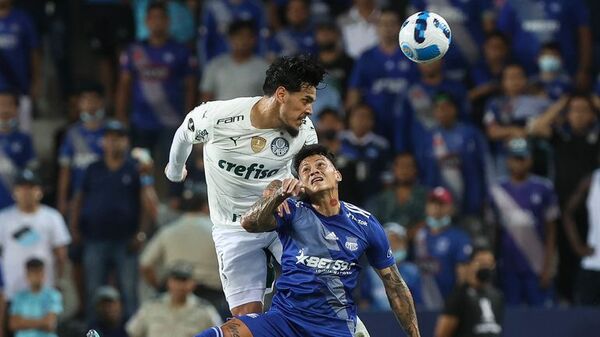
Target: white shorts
[[243, 263]]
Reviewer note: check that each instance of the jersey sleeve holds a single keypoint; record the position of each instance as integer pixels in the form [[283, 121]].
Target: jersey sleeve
[[311, 138], [55, 303], [285, 221], [463, 248], [379, 252]]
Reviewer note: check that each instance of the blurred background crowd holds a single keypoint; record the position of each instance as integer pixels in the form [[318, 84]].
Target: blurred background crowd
[[492, 149]]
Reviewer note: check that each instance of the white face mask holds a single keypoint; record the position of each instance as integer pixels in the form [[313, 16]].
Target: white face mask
[[87, 116], [549, 63]]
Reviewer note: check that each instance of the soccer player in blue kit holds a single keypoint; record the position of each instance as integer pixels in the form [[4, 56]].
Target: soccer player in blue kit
[[323, 239]]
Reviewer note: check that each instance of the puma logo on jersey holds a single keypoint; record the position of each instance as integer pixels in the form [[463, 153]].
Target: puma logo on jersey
[[254, 171], [324, 264]]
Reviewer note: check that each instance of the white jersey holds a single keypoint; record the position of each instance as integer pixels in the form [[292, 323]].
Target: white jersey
[[239, 159]]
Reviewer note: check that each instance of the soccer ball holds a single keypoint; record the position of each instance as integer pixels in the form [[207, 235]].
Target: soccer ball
[[424, 37]]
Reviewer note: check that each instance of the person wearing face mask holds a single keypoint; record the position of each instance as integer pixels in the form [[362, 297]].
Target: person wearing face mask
[[16, 147], [81, 145], [441, 250], [372, 289], [476, 308], [552, 78]]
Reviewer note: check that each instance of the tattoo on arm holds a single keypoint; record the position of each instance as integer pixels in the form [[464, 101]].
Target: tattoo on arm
[[400, 299], [260, 217]]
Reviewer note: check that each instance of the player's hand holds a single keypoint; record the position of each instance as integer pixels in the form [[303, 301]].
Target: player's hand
[[175, 177], [291, 187]]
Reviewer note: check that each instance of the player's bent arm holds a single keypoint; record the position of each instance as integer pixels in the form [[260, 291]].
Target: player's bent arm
[[400, 299], [260, 217], [180, 151], [446, 326]]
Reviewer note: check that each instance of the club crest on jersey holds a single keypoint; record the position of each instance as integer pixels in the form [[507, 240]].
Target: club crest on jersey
[[351, 243], [257, 144], [280, 146]]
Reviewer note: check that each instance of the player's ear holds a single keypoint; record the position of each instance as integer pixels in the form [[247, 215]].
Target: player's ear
[[281, 94], [338, 176]]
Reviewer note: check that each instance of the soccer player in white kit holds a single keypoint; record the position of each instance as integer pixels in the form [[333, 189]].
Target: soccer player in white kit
[[248, 142]]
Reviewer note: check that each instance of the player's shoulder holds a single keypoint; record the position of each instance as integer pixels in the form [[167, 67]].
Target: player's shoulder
[[235, 107], [359, 215], [307, 125]]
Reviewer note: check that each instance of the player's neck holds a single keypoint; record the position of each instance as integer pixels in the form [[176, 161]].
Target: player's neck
[[265, 114], [327, 203]]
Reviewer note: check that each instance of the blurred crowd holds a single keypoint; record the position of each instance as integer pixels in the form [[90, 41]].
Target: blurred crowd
[[492, 149]]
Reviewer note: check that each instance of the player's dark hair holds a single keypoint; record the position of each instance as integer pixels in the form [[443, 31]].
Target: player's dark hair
[[499, 35], [311, 150], [160, 5], [240, 25], [34, 264], [12, 93], [293, 73]]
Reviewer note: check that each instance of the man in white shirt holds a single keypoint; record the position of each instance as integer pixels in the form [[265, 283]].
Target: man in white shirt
[[359, 27], [31, 230]]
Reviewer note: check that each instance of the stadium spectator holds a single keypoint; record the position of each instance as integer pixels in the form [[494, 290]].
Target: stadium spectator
[[574, 132], [108, 26], [507, 115], [370, 151], [487, 73], [20, 60], [476, 308], [441, 249], [297, 36], [31, 230], [107, 216], [526, 209], [239, 63], [329, 128], [469, 21], [217, 15], [109, 321], [413, 113], [551, 78], [359, 27], [588, 276], [454, 156], [182, 26], [333, 57], [34, 311], [531, 23], [188, 240], [177, 313], [81, 145], [373, 291], [159, 76], [380, 74], [404, 202], [16, 147]]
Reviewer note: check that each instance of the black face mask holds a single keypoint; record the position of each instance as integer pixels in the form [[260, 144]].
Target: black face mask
[[328, 134], [327, 46], [485, 275]]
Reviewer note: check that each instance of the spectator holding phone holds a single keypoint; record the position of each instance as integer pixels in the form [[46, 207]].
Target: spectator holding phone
[[106, 216]]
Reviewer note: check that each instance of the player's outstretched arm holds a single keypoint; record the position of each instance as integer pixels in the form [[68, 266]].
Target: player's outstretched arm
[[261, 216], [400, 299]]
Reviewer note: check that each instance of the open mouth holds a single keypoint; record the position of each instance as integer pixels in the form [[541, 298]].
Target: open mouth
[[316, 180]]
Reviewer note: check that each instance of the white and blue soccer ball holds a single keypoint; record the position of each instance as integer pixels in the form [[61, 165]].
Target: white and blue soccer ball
[[424, 37]]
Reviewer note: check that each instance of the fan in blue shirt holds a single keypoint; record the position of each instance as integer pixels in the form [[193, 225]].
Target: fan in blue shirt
[[16, 148], [323, 239], [298, 37]]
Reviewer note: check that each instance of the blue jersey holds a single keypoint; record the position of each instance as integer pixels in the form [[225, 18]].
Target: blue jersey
[[380, 78], [18, 38], [80, 148], [158, 75], [438, 255], [413, 111], [556, 87], [372, 156], [217, 15], [456, 159], [290, 42], [523, 210], [531, 23], [465, 19], [320, 264], [16, 151]]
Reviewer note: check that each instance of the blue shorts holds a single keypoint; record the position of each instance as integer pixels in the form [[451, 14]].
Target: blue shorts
[[276, 324]]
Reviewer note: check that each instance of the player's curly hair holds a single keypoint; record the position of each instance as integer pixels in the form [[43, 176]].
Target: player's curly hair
[[293, 73], [311, 150]]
